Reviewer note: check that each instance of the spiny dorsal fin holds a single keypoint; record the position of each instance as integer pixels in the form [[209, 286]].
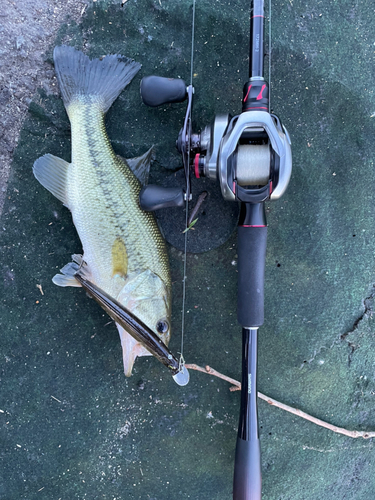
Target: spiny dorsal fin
[[140, 166]]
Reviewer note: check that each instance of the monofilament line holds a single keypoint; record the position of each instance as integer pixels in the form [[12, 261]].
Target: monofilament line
[[184, 286], [187, 199], [192, 45]]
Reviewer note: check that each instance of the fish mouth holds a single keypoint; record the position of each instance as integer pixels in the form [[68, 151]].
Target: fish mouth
[[131, 349], [140, 333]]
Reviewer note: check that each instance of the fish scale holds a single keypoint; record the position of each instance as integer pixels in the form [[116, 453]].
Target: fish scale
[[105, 178]]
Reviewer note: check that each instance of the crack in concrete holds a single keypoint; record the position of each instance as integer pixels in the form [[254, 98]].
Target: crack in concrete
[[368, 303], [368, 311]]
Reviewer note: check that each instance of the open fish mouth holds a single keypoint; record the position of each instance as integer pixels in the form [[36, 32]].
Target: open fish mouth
[[140, 332]]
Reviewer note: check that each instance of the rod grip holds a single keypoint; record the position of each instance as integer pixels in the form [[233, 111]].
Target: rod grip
[[252, 245], [247, 482]]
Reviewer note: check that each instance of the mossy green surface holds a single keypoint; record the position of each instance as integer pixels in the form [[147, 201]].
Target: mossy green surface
[[72, 426]]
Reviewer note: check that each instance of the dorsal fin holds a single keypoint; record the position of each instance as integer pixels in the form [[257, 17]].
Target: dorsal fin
[[140, 166]]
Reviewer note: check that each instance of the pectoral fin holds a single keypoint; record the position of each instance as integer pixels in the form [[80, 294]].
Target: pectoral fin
[[67, 277], [52, 173]]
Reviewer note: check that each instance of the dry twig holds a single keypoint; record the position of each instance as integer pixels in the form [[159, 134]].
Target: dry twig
[[237, 386]]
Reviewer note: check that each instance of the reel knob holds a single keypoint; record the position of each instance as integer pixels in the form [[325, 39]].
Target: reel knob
[[157, 90], [154, 197]]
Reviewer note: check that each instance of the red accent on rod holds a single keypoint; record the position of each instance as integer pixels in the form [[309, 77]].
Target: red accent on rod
[[256, 16], [260, 96], [258, 107], [196, 166], [247, 95]]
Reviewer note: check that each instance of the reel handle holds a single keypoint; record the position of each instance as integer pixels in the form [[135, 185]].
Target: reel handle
[[154, 197], [157, 90]]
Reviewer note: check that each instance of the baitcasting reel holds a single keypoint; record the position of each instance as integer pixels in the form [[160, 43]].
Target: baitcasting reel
[[249, 154]]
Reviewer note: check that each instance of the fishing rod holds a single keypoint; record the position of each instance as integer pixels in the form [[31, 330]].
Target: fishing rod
[[250, 155]]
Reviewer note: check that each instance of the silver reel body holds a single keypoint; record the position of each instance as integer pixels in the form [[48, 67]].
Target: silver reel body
[[249, 150]]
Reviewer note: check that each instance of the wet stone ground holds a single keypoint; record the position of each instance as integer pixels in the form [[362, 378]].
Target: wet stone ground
[[71, 425]]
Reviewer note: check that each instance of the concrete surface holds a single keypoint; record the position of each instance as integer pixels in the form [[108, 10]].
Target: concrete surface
[[27, 29]]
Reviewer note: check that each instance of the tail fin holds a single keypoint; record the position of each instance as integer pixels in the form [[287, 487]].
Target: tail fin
[[80, 76]]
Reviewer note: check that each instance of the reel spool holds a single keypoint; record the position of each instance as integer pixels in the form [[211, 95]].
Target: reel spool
[[253, 165]]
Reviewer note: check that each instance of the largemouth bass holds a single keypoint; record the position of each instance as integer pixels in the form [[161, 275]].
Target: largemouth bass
[[124, 253]]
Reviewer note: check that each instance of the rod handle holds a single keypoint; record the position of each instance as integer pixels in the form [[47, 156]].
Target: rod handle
[[157, 90], [247, 483], [252, 245]]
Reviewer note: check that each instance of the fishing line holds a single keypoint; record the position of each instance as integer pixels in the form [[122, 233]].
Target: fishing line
[[192, 44], [182, 361]]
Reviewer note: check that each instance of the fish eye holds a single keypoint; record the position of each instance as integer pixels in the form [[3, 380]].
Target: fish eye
[[162, 326]]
